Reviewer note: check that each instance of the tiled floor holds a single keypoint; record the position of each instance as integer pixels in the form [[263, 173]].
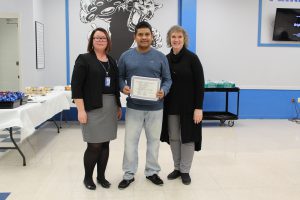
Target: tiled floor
[[254, 160], [5, 139]]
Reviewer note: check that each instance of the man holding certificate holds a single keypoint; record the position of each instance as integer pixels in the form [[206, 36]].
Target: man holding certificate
[[145, 78]]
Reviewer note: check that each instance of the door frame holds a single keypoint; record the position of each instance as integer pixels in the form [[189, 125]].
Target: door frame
[[17, 16]]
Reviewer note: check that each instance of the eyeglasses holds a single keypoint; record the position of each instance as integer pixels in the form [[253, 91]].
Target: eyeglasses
[[100, 38]]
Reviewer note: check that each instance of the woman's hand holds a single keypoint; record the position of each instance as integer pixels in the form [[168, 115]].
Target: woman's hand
[[82, 117], [198, 116], [119, 113]]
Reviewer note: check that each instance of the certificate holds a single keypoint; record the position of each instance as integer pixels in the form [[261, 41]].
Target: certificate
[[144, 88]]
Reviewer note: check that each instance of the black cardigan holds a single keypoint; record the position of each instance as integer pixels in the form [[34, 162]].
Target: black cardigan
[[186, 95], [88, 79]]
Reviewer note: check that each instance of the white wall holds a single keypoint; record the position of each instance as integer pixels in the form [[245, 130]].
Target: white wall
[[52, 14], [46, 12], [227, 46], [24, 10]]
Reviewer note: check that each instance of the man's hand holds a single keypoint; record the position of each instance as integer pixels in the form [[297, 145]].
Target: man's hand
[[160, 94], [126, 90]]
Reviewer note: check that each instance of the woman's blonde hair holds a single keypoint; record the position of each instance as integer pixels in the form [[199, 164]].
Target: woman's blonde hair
[[174, 29]]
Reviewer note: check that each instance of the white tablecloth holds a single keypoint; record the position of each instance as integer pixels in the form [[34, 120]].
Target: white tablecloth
[[30, 115]]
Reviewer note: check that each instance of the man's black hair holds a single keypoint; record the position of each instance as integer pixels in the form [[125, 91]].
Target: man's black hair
[[142, 24]]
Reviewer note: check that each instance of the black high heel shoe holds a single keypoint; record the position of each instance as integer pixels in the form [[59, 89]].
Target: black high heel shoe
[[103, 182], [89, 184]]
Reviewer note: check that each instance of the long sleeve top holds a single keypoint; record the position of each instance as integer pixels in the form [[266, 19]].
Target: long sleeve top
[[152, 64]]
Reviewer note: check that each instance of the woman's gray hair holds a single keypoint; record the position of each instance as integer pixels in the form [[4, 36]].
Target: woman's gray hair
[[174, 29]]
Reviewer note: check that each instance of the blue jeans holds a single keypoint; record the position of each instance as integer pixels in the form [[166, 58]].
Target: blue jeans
[[134, 122]]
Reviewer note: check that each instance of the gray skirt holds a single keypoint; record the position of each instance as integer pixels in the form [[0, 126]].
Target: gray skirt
[[101, 123]]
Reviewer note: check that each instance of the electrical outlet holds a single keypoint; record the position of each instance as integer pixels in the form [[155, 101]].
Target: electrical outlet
[[298, 99]]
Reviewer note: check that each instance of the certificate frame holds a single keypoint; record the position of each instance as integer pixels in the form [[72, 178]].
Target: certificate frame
[[39, 45], [144, 88]]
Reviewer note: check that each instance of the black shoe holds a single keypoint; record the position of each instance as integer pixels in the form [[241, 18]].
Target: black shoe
[[155, 179], [174, 174], [103, 182], [89, 184], [185, 178], [125, 183]]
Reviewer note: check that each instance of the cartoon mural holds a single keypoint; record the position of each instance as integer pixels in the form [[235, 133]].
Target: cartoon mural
[[122, 17]]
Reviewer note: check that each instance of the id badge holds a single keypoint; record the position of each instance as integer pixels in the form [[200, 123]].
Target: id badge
[[107, 81]]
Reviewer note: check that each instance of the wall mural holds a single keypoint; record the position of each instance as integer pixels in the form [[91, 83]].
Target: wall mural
[[121, 17]]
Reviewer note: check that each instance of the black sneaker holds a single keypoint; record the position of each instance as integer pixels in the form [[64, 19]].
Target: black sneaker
[[155, 179], [185, 178], [174, 174], [125, 183]]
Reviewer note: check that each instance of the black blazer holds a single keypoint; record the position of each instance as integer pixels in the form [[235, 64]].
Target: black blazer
[[88, 79]]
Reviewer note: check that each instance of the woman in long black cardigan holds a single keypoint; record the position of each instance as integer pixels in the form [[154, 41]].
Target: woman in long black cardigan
[[182, 127]]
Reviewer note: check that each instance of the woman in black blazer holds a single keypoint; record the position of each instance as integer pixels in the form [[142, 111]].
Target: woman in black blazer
[[95, 90], [182, 127]]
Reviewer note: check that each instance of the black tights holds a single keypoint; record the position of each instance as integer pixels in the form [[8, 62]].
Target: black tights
[[95, 153]]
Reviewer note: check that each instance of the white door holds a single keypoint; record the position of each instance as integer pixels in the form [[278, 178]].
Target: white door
[[9, 54]]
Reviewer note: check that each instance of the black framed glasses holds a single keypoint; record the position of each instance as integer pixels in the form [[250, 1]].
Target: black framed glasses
[[100, 38]]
